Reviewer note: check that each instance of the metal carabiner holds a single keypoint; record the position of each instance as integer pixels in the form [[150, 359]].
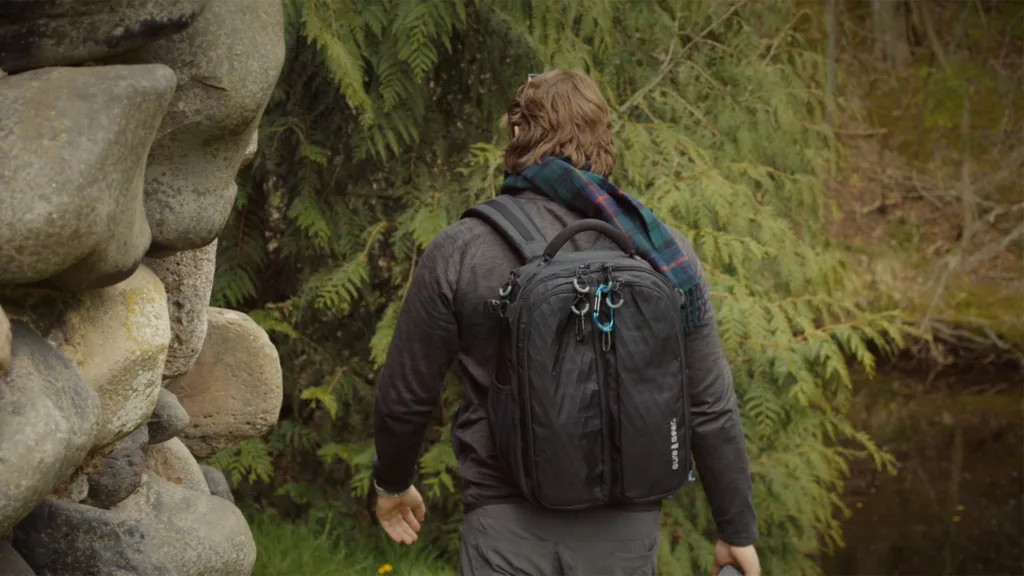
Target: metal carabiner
[[581, 328], [604, 327], [601, 289], [615, 305], [577, 311]]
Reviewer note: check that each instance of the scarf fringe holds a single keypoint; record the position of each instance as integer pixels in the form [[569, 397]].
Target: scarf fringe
[[694, 309]]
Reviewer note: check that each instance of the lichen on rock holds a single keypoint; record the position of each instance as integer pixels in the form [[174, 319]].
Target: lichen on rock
[[74, 490], [117, 337]]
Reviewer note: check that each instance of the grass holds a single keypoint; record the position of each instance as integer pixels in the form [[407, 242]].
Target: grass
[[288, 549]]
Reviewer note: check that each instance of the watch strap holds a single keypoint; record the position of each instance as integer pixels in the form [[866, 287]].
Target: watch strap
[[382, 492]]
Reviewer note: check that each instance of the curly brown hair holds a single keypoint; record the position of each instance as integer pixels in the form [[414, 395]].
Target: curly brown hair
[[559, 113]]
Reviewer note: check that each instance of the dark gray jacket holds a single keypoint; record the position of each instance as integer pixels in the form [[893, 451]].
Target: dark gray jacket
[[443, 319]]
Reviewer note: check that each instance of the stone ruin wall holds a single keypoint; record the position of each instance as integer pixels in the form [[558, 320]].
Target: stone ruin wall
[[123, 124]]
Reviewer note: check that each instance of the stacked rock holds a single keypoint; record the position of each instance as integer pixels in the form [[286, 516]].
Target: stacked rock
[[123, 124]]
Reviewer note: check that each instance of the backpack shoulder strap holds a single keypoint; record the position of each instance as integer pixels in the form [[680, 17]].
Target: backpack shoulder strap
[[507, 217]]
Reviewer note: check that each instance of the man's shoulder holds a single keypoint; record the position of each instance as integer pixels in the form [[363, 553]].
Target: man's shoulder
[[460, 235], [458, 245], [684, 243]]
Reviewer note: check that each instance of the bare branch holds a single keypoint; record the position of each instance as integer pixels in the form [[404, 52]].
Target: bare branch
[[666, 65], [994, 248], [922, 12]]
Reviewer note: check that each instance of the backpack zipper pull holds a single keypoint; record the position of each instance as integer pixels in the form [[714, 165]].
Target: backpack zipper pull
[[580, 308], [507, 288]]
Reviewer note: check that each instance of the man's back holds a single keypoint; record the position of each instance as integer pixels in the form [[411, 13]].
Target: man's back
[[465, 266], [445, 318]]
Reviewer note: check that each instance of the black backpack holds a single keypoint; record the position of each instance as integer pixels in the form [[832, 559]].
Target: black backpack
[[589, 403]]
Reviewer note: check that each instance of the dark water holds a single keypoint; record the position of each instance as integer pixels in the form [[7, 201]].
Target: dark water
[[955, 506]]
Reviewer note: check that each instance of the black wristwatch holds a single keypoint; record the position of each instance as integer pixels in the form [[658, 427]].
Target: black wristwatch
[[382, 492]]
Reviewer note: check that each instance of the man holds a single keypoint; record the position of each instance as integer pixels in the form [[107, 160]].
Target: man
[[559, 114]]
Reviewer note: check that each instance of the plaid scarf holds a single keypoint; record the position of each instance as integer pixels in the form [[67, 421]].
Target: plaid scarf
[[595, 197]]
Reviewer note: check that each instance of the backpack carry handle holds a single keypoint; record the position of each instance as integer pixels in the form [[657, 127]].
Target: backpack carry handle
[[589, 225]]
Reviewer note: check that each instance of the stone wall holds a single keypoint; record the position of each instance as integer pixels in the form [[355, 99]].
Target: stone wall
[[123, 124]]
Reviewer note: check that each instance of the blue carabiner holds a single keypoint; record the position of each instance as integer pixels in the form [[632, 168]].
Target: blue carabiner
[[605, 327], [602, 288]]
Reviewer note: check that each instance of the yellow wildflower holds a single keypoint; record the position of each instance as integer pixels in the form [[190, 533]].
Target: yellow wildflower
[[385, 568]]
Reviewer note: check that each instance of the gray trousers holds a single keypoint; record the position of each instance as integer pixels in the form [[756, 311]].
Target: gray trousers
[[523, 540]]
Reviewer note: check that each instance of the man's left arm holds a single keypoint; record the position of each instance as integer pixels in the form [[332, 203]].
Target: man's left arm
[[422, 348]]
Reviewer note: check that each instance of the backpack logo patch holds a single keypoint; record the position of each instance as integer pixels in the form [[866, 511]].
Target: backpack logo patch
[[675, 444]]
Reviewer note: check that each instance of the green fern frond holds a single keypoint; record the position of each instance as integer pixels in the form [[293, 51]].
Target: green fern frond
[[249, 460], [382, 335], [340, 54], [321, 396], [341, 285], [271, 322], [308, 212]]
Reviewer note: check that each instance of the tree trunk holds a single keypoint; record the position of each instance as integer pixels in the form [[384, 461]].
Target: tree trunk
[[889, 32], [830, 98]]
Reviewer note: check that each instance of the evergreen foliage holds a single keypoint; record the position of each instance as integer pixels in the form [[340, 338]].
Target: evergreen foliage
[[385, 127]]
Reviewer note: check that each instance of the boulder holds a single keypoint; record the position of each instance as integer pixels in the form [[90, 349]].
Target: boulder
[[120, 472], [194, 534], [188, 279], [67, 539], [42, 309], [228, 62], [11, 563], [234, 390], [217, 483], [38, 33], [49, 419], [173, 462], [73, 148], [5, 341], [117, 337], [251, 149], [168, 419]]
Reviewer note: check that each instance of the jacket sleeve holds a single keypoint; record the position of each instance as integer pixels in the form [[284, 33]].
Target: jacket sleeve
[[424, 344], [718, 445]]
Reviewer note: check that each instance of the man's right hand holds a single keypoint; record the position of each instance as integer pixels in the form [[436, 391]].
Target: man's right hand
[[742, 557], [400, 517]]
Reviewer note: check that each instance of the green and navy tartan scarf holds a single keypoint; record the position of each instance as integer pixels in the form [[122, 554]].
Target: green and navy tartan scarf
[[594, 196]]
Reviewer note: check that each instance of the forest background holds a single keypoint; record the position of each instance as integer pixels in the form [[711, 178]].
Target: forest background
[[850, 175]]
